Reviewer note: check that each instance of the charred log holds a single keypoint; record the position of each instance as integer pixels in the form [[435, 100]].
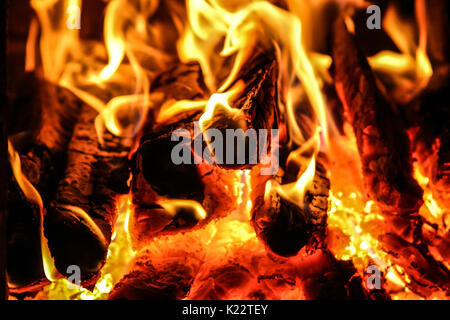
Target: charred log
[[387, 169], [426, 273], [43, 140], [42, 152], [78, 224], [183, 81], [23, 232], [158, 180], [255, 107], [286, 227], [382, 141]]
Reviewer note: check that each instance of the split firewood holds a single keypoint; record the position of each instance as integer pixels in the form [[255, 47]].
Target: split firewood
[[382, 141], [78, 223], [183, 81], [384, 150], [254, 106], [286, 227], [158, 184], [158, 278], [170, 197], [23, 233], [46, 125], [43, 139]]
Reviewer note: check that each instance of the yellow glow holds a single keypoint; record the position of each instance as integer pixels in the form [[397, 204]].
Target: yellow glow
[[173, 206]]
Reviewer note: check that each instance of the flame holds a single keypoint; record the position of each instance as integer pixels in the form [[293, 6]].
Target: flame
[[250, 23], [413, 58], [295, 191], [219, 103]]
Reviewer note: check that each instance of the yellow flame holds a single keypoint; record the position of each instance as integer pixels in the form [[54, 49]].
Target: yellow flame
[[295, 191], [250, 23], [173, 206], [431, 209], [413, 58], [114, 38], [219, 102]]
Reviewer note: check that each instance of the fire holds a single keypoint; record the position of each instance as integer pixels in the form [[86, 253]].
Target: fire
[[413, 58], [115, 78]]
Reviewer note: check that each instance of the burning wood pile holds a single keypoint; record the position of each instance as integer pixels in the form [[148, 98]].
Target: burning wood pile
[[230, 150]]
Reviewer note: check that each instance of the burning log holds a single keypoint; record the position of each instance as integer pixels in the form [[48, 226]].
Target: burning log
[[171, 197], [426, 274], [24, 265], [169, 278], [180, 82], [384, 152], [254, 106], [41, 147], [78, 224], [286, 227], [43, 144], [381, 138], [157, 180], [431, 141]]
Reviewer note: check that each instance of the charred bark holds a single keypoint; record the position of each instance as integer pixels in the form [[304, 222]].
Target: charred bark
[[183, 81], [426, 274], [78, 223], [157, 179], [41, 142], [382, 141]]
